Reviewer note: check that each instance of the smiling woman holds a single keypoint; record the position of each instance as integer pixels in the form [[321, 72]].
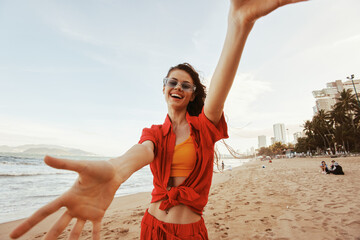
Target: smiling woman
[[195, 105], [180, 151]]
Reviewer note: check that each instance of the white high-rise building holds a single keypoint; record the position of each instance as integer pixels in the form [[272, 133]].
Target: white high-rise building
[[326, 98], [262, 141], [279, 132], [298, 135], [252, 150]]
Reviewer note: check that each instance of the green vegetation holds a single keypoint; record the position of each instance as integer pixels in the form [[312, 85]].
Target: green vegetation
[[334, 131], [277, 148]]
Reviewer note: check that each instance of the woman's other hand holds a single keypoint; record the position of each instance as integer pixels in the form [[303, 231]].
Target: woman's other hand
[[248, 11], [87, 199]]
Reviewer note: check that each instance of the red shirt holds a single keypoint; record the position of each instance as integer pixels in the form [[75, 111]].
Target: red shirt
[[194, 191]]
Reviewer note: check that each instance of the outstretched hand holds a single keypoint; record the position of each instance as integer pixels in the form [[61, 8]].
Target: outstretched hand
[[248, 11], [87, 199]]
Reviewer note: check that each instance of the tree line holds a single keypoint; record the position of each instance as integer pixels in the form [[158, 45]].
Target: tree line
[[278, 148], [333, 131]]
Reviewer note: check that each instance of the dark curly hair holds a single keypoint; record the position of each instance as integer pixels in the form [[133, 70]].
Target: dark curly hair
[[194, 107]]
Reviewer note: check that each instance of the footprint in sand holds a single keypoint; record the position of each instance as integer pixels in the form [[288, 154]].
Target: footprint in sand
[[247, 221], [264, 220], [119, 230], [40, 235], [141, 213], [225, 235], [354, 223]]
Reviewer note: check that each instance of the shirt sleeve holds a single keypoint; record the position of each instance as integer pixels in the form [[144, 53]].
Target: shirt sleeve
[[148, 134], [215, 132]]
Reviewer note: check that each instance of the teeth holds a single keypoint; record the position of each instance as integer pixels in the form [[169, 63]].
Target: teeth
[[176, 95]]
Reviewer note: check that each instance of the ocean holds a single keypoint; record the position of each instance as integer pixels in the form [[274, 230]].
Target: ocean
[[27, 183]]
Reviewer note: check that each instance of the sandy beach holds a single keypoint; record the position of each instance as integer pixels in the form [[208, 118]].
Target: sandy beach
[[288, 199]]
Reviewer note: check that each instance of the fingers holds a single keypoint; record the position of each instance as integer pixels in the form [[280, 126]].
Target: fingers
[[76, 231], [59, 226], [38, 216], [96, 230], [284, 2], [73, 165]]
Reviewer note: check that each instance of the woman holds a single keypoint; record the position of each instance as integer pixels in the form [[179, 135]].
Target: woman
[[324, 167], [178, 197]]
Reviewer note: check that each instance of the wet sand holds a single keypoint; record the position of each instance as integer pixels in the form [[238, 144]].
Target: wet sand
[[288, 199]]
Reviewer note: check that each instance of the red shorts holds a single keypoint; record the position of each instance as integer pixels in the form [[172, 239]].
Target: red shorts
[[154, 229]]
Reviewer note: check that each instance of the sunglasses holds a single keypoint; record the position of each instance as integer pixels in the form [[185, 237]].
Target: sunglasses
[[185, 86]]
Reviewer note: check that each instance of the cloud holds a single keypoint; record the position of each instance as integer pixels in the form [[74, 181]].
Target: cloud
[[244, 93], [85, 37], [348, 40], [240, 113]]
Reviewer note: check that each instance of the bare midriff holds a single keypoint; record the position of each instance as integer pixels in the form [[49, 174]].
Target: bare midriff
[[179, 214]]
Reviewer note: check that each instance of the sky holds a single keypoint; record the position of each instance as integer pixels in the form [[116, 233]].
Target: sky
[[88, 74]]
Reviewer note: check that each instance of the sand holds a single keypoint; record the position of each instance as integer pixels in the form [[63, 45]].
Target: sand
[[288, 199]]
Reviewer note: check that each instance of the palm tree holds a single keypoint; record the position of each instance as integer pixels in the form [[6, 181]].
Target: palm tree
[[346, 101], [339, 127], [310, 133], [323, 127], [343, 119], [308, 128], [357, 127], [277, 148]]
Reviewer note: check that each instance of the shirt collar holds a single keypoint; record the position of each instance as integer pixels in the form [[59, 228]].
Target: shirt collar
[[166, 125], [192, 120]]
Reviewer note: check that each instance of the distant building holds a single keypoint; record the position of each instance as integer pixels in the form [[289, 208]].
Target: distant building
[[326, 98], [279, 132], [298, 135], [262, 141], [272, 140], [252, 150]]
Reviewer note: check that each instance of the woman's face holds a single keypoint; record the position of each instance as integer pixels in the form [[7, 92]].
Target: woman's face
[[176, 97]]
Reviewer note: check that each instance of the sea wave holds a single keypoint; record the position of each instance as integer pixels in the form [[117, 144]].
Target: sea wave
[[12, 160], [21, 163], [42, 196], [33, 174]]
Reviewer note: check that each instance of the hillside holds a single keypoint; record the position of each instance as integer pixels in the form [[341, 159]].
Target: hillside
[[41, 149]]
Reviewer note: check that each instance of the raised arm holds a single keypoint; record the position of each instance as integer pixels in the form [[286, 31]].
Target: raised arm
[[92, 192], [241, 18]]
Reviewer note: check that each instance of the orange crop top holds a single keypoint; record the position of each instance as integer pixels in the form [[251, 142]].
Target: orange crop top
[[184, 159]]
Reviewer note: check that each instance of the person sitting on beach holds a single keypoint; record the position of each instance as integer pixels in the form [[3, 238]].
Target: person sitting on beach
[[180, 151], [324, 167], [335, 168]]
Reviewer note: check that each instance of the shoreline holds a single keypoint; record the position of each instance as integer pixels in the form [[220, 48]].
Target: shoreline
[[29, 187], [288, 199]]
